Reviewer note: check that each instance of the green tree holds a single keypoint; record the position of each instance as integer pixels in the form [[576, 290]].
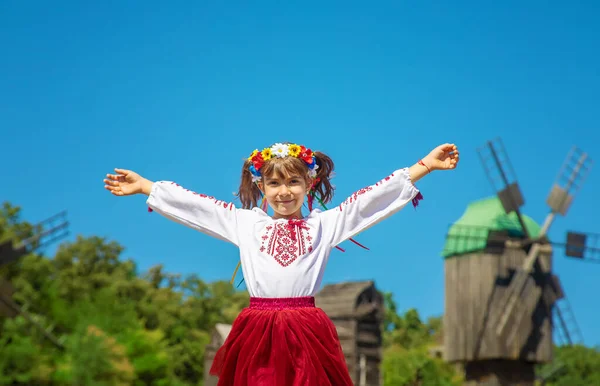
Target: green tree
[[23, 359], [148, 329], [416, 367], [577, 366], [408, 342]]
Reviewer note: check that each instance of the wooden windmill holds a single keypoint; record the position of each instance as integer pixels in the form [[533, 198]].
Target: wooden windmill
[[47, 232], [500, 289]]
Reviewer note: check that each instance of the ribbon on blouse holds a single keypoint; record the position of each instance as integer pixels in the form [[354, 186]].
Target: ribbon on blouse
[[292, 224]]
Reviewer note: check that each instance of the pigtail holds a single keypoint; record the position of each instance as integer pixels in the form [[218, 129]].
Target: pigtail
[[248, 193], [322, 186]]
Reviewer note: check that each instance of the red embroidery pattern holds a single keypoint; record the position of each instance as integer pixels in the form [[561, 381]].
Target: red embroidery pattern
[[217, 202], [286, 241], [362, 191]]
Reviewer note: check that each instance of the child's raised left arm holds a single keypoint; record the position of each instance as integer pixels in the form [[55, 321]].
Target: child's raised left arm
[[377, 202]]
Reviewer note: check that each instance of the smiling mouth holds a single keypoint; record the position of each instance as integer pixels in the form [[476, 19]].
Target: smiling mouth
[[285, 202]]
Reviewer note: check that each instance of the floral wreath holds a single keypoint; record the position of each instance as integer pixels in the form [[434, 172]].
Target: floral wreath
[[258, 158]]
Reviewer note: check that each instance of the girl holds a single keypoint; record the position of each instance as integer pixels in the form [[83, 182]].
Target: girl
[[282, 338]]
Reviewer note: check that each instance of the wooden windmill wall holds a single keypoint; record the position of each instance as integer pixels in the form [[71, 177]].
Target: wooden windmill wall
[[475, 282], [357, 310]]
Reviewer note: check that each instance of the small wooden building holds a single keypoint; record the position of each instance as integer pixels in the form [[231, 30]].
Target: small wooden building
[[481, 254], [357, 311]]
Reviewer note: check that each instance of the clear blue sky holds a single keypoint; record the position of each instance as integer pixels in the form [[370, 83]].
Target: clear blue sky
[[185, 92]]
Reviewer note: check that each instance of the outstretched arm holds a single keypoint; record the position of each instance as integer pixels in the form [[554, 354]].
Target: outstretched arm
[[443, 157], [197, 211], [377, 202]]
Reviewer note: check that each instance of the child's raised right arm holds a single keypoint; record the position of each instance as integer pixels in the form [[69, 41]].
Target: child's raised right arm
[[377, 202], [197, 211]]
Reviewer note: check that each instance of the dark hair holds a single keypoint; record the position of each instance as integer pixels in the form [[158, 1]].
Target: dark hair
[[249, 193]]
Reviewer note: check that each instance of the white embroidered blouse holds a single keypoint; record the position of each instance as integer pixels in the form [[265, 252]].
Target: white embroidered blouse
[[279, 257]]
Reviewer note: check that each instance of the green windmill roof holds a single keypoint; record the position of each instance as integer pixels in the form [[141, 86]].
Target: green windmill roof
[[469, 233]]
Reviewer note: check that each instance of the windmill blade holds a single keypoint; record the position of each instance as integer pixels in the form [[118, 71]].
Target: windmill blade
[[582, 246], [527, 303], [15, 309], [550, 373], [508, 305], [566, 323], [569, 180], [493, 156], [48, 231]]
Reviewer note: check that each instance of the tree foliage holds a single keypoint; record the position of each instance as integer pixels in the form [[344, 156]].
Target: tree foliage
[[119, 327], [575, 365], [409, 347]]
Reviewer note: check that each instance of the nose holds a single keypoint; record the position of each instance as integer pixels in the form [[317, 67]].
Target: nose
[[284, 190]]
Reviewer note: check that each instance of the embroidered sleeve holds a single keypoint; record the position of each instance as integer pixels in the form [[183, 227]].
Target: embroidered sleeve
[[370, 205], [198, 211]]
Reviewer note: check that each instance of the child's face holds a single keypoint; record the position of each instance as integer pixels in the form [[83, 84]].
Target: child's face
[[285, 194]]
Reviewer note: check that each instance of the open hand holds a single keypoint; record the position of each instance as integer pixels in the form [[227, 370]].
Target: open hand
[[124, 183], [443, 157]]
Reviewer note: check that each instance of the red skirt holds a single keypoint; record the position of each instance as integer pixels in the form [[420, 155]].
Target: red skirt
[[284, 341]]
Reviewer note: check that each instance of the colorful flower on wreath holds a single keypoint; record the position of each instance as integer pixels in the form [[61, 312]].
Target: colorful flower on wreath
[[280, 150], [306, 155], [257, 161], [255, 152], [312, 169], [294, 150], [267, 154]]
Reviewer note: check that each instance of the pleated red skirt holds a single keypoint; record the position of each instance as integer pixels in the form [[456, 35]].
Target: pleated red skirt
[[283, 342]]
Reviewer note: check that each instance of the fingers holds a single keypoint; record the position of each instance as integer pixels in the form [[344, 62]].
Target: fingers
[[111, 182], [450, 148], [123, 171], [115, 190], [454, 161], [115, 178]]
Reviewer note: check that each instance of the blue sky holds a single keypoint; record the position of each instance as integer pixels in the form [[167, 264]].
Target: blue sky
[[184, 92]]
